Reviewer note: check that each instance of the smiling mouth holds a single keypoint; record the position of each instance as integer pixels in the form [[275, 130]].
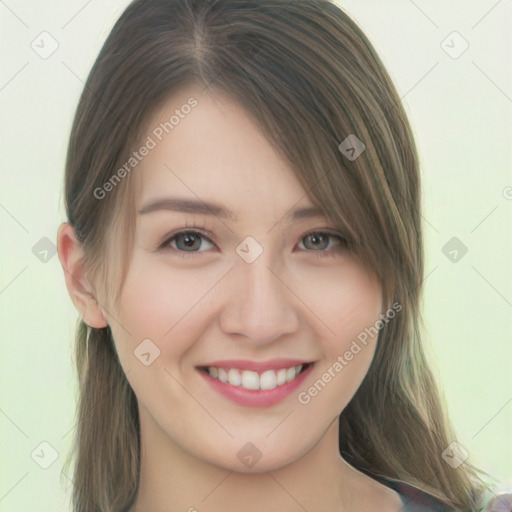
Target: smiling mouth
[[255, 380]]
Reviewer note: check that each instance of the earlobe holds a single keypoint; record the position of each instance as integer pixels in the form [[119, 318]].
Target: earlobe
[[81, 292]]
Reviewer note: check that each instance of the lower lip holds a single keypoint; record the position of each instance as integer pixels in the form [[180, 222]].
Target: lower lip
[[256, 398]]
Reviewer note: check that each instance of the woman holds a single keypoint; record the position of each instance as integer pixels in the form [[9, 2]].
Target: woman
[[244, 248]]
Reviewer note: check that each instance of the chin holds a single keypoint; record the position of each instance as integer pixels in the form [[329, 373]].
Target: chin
[[248, 459]]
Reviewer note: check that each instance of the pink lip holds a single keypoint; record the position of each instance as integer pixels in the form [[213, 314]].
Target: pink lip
[[241, 364], [256, 398]]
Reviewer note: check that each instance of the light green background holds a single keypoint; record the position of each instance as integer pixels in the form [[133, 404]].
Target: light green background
[[460, 110]]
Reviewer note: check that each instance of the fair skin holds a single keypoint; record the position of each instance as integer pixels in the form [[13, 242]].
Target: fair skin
[[214, 306]]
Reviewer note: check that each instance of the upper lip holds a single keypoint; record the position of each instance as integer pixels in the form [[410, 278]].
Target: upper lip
[[244, 364]]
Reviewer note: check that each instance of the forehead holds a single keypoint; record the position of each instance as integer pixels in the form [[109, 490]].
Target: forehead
[[207, 149]]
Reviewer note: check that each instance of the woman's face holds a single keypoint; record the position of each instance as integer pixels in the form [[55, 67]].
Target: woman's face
[[248, 288]]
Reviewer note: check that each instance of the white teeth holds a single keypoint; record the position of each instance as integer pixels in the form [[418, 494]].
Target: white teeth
[[234, 377], [281, 377], [269, 379], [290, 374], [250, 380]]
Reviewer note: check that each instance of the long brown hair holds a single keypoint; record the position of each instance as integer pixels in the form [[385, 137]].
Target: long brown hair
[[310, 78]]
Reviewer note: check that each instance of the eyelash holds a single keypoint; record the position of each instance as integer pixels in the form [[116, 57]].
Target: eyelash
[[165, 245]]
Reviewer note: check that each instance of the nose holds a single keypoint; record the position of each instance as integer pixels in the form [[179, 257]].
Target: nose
[[260, 306]]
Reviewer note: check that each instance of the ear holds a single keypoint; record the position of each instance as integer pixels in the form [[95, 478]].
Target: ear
[[81, 292]]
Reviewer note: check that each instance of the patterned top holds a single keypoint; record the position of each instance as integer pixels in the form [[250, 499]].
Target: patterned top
[[414, 499]]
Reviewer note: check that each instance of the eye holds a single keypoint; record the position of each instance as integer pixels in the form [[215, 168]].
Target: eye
[[320, 242], [185, 242]]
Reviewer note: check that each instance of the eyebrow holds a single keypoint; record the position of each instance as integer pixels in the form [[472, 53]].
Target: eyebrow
[[178, 204]]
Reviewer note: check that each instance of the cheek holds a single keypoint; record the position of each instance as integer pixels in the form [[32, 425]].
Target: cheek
[[156, 299], [347, 302], [171, 306], [351, 306]]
